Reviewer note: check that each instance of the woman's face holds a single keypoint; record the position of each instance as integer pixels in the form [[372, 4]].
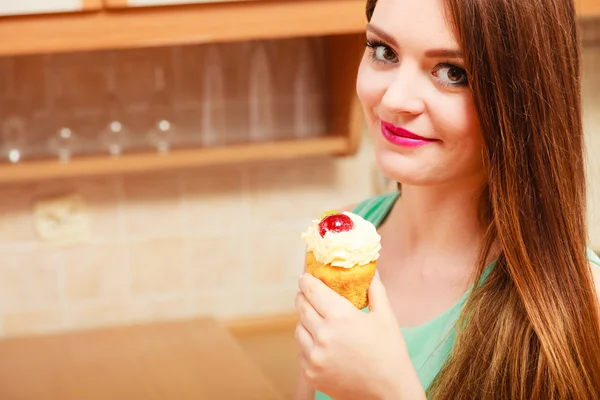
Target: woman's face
[[415, 96]]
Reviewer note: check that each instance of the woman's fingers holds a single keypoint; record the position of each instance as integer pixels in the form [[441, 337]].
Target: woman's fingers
[[323, 299], [304, 339], [309, 317]]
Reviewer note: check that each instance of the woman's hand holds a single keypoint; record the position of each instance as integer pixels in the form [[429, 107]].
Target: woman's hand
[[348, 354]]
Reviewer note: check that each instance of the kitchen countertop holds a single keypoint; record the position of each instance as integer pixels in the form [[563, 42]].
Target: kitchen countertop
[[195, 359]]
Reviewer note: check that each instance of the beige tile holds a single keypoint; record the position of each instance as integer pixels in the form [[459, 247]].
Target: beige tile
[[274, 185], [102, 198], [33, 322], [356, 176], [158, 266], [95, 272], [16, 221], [145, 310], [83, 316], [277, 255], [152, 206], [222, 304], [280, 193], [214, 201], [29, 280], [219, 262], [274, 300], [353, 181]]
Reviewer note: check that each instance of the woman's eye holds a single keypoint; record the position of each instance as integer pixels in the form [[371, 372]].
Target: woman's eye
[[385, 53], [451, 75], [381, 52]]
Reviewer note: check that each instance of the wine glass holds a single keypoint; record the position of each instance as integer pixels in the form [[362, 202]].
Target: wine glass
[[212, 106], [115, 136], [162, 130], [12, 123], [261, 101], [309, 107], [13, 137]]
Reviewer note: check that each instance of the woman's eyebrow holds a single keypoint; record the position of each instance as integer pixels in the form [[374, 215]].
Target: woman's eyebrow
[[389, 39], [433, 53], [444, 53]]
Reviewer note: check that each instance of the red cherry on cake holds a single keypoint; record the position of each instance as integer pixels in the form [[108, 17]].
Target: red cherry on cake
[[335, 223]]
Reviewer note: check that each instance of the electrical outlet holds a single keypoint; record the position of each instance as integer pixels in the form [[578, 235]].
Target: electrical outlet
[[62, 220]]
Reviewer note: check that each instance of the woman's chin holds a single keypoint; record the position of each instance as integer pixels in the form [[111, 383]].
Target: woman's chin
[[406, 171]]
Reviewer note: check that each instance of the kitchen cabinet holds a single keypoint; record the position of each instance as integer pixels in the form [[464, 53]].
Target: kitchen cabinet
[[210, 23], [338, 135], [146, 3], [26, 7]]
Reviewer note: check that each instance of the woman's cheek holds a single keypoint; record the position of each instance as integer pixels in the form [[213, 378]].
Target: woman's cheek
[[370, 87], [363, 89], [460, 130]]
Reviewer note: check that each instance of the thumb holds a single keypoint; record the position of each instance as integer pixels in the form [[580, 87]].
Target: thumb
[[378, 300]]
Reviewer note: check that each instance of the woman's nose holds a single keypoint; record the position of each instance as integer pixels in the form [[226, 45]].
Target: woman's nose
[[405, 93]]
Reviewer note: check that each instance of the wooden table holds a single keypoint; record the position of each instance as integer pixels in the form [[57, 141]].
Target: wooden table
[[195, 359]]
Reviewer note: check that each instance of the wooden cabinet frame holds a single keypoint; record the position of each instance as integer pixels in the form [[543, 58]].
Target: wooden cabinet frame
[[115, 3], [124, 3], [90, 5], [173, 25]]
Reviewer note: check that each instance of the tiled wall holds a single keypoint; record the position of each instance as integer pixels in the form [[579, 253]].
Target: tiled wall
[[220, 241]]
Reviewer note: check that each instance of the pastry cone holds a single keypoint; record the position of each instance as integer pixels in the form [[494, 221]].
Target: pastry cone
[[342, 251], [352, 283]]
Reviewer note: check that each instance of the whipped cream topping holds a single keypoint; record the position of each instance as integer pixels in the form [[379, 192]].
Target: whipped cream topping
[[358, 246]]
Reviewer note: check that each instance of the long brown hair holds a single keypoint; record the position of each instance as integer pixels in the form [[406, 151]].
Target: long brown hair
[[531, 330]]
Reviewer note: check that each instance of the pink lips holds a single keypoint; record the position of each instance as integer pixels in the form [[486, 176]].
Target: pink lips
[[402, 137]]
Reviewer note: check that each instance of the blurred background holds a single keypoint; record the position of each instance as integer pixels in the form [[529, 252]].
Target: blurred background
[[159, 164]]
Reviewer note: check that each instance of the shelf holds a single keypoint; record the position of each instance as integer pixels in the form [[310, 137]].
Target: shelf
[[184, 158], [178, 25], [339, 136]]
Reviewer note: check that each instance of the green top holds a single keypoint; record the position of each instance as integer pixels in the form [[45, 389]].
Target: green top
[[428, 344]]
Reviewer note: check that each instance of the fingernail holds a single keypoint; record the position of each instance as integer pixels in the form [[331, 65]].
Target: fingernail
[[376, 274], [300, 277]]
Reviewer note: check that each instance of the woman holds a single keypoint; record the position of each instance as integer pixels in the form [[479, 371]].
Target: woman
[[474, 108]]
